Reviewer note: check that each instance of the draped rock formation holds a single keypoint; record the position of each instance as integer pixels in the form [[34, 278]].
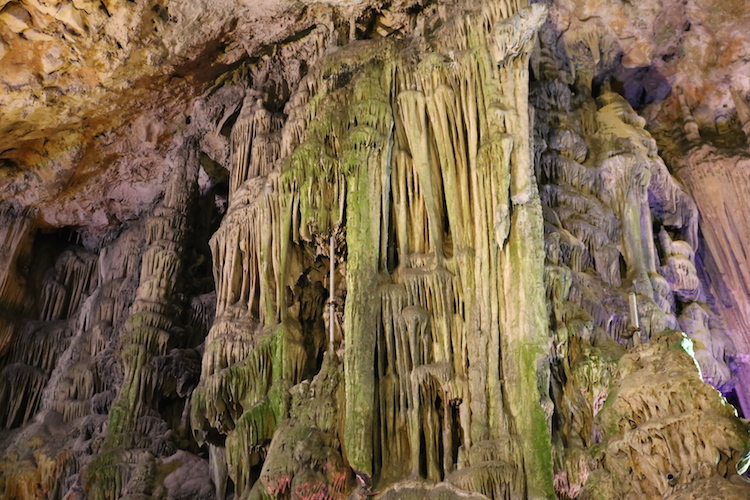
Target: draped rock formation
[[392, 249], [418, 172], [621, 235]]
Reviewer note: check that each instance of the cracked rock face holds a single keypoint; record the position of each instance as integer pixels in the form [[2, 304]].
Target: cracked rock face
[[341, 249], [96, 94]]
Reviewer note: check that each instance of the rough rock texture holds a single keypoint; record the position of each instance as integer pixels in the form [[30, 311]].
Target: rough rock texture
[[332, 250], [378, 155]]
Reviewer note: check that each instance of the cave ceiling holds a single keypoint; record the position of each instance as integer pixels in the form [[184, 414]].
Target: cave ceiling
[[94, 93]]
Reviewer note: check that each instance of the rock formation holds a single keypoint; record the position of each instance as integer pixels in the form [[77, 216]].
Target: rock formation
[[393, 249]]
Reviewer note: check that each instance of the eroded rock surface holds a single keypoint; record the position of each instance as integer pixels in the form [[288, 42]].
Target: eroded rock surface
[[333, 250]]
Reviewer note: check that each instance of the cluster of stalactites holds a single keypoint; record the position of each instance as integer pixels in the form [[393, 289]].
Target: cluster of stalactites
[[81, 384], [54, 339], [451, 182], [423, 348], [603, 205], [20, 391], [74, 275], [582, 229], [254, 142], [269, 210], [434, 143], [339, 138], [248, 253], [51, 364], [231, 388], [505, 27], [692, 129], [146, 335], [247, 400], [247, 368], [34, 354]]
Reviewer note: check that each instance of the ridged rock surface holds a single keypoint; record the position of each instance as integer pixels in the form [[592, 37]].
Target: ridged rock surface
[[334, 250]]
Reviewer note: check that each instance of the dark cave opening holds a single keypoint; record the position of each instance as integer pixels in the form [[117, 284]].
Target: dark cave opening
[[734, 400], [47, 247], [640, 86], [457, 432]]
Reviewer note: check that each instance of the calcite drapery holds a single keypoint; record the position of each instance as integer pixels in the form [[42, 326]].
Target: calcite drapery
[[15, 232], [620, 418], [380, 317], [419, 167], [719, 194]]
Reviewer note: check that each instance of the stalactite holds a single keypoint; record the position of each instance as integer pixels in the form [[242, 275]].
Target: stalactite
[[146, 335], [436, 277], [603, 207], [436, 149], [15, 230], [692, 131]]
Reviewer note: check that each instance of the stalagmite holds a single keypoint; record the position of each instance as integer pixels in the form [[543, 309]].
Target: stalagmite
[[743, 110], [692, 131], [146, 337], [646, 433]]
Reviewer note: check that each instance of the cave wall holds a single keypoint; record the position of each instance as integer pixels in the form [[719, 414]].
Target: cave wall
[[632, 334], [412, 251]]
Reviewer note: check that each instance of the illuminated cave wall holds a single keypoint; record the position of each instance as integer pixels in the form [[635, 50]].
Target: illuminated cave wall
[[425, 241]]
